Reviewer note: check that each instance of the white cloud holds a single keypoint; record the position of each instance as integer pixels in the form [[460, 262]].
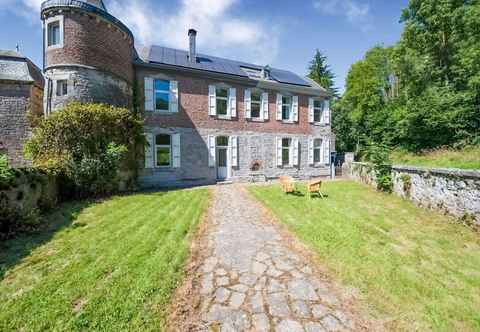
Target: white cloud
[[28, 9], [220, 32], [355, 12]]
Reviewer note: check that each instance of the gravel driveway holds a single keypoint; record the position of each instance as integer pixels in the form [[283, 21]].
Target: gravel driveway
[[253, 281]]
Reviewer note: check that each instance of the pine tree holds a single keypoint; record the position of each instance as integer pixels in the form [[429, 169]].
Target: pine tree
[[320, 72]]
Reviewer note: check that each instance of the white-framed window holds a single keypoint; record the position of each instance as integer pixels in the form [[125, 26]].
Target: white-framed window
[[286, 108], [163, 150], [162, 95], [286, 147], [221, 101], [256, 104], [54, 32], [317, 150], [62, 87], [317, 110]]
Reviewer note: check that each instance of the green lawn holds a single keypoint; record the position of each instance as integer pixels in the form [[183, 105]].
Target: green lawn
[[467, 158], [108, 266], [416, 269]]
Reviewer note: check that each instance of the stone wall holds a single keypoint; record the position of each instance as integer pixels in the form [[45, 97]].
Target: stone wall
[[16, 100], [29, 193], [88, 85], [453, 191], [252, 146]]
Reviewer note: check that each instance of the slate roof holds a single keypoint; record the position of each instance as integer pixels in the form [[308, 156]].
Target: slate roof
[[16, 67], [169, 56]]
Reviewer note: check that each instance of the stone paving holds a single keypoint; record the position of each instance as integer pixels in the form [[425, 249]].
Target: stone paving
[[253, 282]]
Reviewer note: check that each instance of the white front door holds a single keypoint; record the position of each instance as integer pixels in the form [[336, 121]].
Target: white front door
[[222, 158]]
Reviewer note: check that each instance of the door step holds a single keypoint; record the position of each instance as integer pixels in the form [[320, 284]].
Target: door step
[[224, 182]]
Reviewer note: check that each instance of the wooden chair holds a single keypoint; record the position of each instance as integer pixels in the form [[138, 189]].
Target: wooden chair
[[288, 184], [313, 187]]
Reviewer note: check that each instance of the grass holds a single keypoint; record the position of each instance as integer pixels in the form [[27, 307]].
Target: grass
[[416, 269], [108, 266], [467, 158]]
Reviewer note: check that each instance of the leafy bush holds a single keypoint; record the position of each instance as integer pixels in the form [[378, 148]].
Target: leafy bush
[[7, 175], [86, 145], [379, 156]]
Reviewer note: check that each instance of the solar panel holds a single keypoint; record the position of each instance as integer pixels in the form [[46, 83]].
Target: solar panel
[[176, 57]]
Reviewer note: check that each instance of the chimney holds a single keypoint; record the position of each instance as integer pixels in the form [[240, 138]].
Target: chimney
[[266, 72], [192, 53]]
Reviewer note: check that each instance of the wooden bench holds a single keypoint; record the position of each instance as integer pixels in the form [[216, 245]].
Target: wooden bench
[[288, 184], [313, 187]]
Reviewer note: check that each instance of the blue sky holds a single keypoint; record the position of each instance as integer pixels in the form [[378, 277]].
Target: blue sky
[[282, 33]]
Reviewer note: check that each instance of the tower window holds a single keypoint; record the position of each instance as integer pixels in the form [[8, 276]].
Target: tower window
[[54, 31], [62, 88]]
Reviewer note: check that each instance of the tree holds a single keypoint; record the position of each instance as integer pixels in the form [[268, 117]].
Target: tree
[[320, 72]]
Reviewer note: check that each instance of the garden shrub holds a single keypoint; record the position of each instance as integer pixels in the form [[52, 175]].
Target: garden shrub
[[7, 174], [86, 145], [379, 156]]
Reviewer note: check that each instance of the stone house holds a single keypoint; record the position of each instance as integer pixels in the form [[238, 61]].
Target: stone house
[[21, 92], [207, 119]]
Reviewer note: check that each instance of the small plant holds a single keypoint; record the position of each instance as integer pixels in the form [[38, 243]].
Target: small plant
[[379, 156], [7, 174], [407, 183]]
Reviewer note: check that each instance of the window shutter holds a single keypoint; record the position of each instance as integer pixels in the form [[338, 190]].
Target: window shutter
[[211, 151], [310, 110], [295, 108], [310, 151], [176, 150], [234, 150], [248, 103], [149, 147], [279, 151], [148, 94], [212, 100], [232, 98], [173, 107], [326, 150], [326, 111], [264, 109], [295, 152], [279, 106]]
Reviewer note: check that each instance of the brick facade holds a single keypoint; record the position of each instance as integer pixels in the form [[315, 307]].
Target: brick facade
[[256, 140], [91, 41], [193, 108]]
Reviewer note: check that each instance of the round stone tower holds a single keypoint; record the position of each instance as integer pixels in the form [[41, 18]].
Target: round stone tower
[[88, 54]]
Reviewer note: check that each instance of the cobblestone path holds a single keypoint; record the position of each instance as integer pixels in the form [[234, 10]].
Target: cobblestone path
[[253, 282]]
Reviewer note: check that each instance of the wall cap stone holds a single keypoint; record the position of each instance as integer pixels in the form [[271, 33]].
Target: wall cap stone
[[454, 172]]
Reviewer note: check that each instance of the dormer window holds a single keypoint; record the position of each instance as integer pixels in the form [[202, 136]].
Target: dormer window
[[54, 32]]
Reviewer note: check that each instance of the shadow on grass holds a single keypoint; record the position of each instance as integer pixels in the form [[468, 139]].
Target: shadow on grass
[[12, 251]]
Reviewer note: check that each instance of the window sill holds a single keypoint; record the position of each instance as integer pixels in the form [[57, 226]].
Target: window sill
[[288, 121], [319, 124], [288, 166], [54, 47], [319, 165], [165, 169], [223, 117], [256, 120], [163, 112]]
